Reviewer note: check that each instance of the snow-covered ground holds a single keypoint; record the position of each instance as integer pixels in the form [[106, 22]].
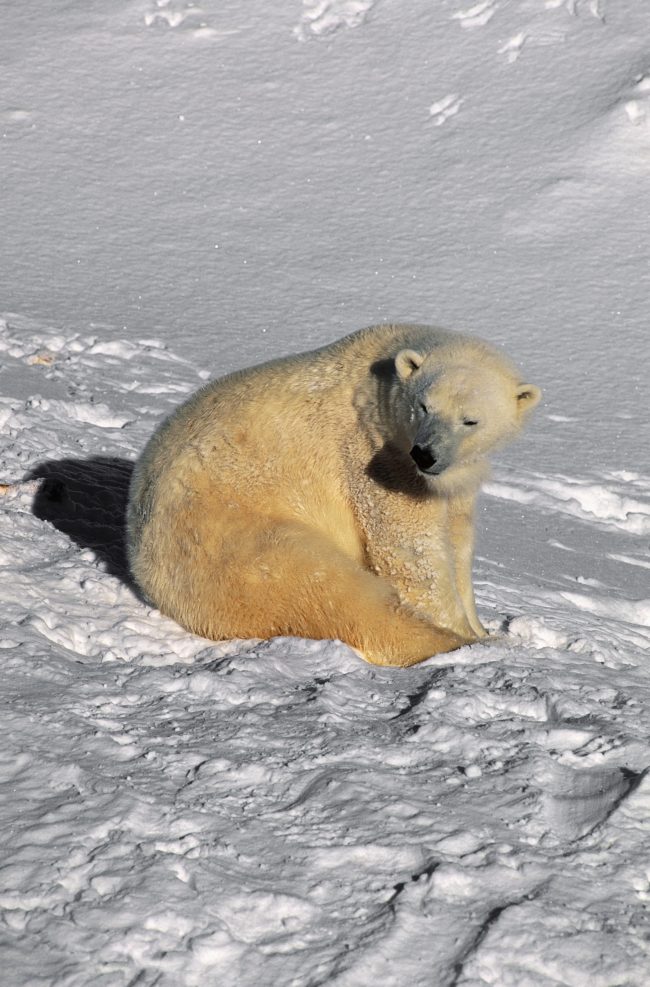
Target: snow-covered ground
[[189, 189]]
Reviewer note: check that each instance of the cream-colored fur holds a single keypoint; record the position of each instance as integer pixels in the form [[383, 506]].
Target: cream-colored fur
[[284, 499]]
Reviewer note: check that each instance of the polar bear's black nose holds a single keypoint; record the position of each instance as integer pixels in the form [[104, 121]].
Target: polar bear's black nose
[[424, 458]]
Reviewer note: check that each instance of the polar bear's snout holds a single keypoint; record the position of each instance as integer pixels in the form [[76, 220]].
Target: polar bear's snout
[[424, 459], [434, 448], [430, 461]]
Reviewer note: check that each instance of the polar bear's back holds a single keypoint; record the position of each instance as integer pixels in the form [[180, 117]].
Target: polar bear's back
[[238, 426]]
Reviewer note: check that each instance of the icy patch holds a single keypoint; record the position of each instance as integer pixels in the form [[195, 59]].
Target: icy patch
[[323, 17]]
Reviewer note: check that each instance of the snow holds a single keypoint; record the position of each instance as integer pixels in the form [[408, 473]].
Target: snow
[[191, 189]]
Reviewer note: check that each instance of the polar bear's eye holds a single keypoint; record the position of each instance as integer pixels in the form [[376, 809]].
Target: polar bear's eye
[[424, 408], [470, 422]]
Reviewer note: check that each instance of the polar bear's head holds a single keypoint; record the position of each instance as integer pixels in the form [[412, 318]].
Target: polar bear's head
[[456, 404]]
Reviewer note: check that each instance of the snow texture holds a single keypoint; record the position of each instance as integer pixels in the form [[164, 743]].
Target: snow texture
[[188, 189]]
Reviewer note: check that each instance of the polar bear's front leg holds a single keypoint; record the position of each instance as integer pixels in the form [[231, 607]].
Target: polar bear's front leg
[[433, 590], [461, 537], [422, 568], [410, 543]]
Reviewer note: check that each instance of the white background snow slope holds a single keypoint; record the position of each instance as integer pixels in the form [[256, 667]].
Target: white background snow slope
[[186, 189]]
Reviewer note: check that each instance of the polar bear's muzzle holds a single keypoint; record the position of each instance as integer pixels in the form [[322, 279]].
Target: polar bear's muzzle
[[434, 449], [428, 461]]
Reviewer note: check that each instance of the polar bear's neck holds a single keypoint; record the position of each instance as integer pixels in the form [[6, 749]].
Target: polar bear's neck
[[460, 480]]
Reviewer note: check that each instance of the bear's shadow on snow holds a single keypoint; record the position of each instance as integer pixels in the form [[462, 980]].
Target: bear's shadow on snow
[[86, 499]]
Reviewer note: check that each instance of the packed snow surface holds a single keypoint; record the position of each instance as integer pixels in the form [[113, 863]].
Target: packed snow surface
[[188, 189]]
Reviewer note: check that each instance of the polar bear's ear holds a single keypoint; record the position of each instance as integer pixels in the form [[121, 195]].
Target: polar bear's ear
[[528, 395], [407, 362]]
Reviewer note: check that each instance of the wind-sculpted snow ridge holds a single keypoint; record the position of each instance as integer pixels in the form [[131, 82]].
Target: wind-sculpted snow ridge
[[619, 500], [178, 812]]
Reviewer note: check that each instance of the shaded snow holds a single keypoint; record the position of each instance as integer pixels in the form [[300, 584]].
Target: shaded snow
[[188, 189]]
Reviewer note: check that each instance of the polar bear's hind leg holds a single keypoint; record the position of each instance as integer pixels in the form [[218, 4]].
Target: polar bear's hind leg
[[287, 579]]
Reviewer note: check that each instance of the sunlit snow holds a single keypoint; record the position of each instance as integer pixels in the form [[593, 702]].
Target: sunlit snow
[[187, 189]]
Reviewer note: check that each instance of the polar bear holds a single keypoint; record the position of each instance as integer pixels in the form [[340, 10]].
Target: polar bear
[[329, 494]]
